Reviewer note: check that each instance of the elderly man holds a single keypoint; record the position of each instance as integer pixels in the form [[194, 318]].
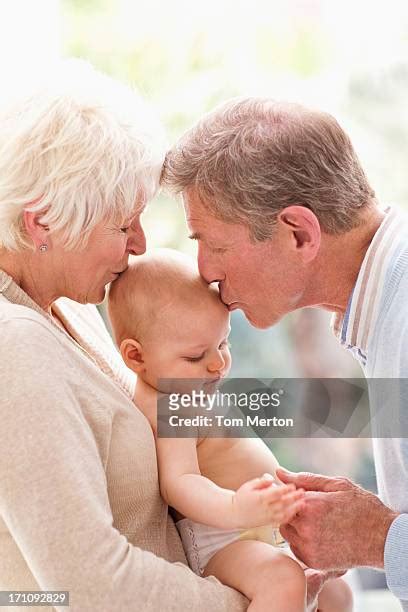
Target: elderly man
[[285, 218]]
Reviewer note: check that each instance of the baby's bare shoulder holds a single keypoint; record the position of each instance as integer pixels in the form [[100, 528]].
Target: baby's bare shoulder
[[145, 399]]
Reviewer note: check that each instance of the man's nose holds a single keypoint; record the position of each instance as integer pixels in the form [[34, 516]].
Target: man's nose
[[216, 362], [207, 269]]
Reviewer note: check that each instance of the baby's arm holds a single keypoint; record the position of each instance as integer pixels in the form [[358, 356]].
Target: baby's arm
[[184, 488], [257, 502]]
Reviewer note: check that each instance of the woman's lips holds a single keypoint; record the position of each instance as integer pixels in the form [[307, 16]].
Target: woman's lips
[[114, 277]]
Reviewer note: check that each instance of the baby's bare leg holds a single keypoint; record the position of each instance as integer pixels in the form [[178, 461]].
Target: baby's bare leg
[[271, 580], [336, 596]]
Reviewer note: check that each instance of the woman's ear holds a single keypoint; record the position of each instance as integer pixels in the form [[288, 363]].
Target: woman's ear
[[132, 355], [38, 232]]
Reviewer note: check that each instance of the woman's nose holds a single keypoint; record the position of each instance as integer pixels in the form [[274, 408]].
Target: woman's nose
[[137, 242], [216, 362]]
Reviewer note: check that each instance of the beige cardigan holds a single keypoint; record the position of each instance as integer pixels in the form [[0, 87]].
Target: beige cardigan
[[80, 506]]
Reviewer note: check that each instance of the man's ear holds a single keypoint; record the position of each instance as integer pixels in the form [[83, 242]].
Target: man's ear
[[38, 232], [132, 355], [304, 230]]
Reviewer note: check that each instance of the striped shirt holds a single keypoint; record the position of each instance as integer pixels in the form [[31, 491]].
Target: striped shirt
[[375, 329]]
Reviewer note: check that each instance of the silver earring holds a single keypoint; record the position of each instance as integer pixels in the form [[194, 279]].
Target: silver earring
[[43, 248]]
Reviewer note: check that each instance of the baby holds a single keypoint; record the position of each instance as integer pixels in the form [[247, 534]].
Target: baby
[[169, 323]]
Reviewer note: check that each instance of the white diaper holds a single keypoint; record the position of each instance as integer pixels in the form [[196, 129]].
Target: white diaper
[[201, 542]]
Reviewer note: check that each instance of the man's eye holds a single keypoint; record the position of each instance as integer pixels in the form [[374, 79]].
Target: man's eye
[[124, 229], [194, 359], [218, 250]]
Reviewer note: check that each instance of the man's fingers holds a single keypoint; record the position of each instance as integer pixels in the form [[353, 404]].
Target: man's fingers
[[315, 583], [309, 482], [313, 482], [295, 549], [332, 574], [289, 533]]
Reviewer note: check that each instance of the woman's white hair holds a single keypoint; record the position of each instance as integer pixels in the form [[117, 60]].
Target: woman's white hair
[[77, 148]]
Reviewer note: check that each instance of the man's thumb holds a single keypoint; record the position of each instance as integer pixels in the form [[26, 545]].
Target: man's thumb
[[286, 476], [304, 480]]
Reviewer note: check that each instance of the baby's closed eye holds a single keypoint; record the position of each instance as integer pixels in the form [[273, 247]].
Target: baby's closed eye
[[194, 359], [224, 344]]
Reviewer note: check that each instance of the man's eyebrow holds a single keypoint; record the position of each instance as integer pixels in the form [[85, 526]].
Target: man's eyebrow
[[195, 236]]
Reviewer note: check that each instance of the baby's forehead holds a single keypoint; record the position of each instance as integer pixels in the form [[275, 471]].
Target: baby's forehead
[[195, 314]]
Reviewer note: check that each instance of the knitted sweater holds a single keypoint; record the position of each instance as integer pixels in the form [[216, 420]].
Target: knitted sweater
[[80, 505]]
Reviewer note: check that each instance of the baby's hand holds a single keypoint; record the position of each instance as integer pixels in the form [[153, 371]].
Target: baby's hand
[[262, 502]]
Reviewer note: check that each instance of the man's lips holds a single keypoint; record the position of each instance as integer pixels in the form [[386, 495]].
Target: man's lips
[[230, 304]]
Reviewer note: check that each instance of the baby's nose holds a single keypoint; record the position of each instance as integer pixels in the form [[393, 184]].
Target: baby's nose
[[216, 362]]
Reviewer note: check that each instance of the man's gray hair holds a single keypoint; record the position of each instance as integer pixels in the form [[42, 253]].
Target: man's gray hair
[[250, 158]]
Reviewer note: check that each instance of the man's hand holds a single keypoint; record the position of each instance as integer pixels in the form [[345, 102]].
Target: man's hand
[[340, 525], [262, 502], [315, 582]]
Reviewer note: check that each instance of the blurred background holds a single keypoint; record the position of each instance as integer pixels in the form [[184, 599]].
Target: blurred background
[[348, 58]]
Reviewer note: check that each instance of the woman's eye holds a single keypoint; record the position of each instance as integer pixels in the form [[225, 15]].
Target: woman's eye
[[124, 229]]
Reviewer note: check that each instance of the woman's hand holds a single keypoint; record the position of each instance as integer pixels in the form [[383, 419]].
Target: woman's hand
[[263, 502]]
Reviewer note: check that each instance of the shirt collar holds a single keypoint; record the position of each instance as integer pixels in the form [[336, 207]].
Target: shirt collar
[[353, 328]]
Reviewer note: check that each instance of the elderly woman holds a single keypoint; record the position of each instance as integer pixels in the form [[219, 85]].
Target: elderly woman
[[80, 506]]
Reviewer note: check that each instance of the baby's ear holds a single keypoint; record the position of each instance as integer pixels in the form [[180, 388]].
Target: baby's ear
[[131, 351]]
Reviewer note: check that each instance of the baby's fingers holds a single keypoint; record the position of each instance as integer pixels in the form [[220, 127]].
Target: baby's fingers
[[277, 493], [285, 507], [264, 482], [292, 496], [289, 513], [292, 503]]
